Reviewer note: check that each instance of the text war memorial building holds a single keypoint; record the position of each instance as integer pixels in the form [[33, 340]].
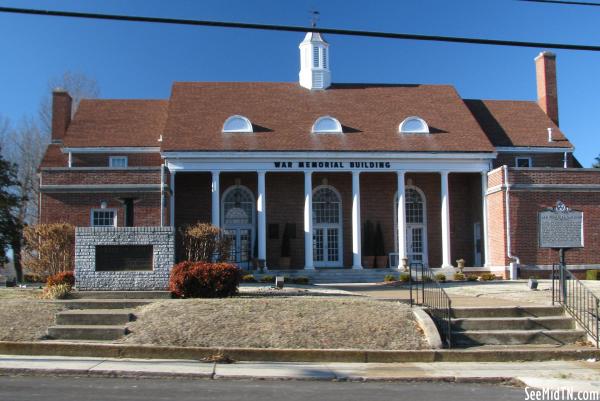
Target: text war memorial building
[[335, 170]]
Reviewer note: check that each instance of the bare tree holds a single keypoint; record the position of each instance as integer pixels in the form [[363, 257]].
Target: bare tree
[[79, 86], [27, 146]]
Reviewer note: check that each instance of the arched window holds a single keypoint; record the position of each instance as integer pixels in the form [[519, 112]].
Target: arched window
[[326, 206], [327, 227], [327, 125], [414, 125], [415, 225], [237, 124], [238, 206]]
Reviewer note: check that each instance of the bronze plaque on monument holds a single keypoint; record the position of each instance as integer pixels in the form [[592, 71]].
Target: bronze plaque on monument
[[560, 227]]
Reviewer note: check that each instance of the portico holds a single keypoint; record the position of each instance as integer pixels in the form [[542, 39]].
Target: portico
[[324, 201]]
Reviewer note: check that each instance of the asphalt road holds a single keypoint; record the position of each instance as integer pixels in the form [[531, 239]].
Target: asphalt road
[[31, 388]]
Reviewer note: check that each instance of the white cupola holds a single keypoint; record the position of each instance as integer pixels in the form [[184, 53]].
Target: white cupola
[[314, 62]]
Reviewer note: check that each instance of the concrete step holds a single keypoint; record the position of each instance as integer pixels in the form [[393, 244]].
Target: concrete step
[[508, 311], [121, 294], [102, 317], [104, 303], [80, 332], [516, 337], [513, 323]]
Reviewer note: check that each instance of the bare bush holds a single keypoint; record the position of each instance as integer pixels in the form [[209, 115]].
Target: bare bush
[[203, 242], [49, 248]]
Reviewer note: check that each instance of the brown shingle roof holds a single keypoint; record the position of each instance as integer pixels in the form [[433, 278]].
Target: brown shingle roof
[[117, 123], [283, 114], [516, 123]]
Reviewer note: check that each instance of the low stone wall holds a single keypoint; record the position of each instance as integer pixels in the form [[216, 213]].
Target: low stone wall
[[162, 239]]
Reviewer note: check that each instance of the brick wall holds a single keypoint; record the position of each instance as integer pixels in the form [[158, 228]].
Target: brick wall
[[75, 208], [537, 159], [91, 176], [526, 202], [285, 204], [101, 159]]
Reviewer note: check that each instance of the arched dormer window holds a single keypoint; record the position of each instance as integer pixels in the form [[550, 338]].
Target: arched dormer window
[[414, 125], [237, 124], [327, 125]]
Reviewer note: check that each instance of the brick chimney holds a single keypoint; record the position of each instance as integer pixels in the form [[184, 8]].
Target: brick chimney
[[61, 114], [547, 92]]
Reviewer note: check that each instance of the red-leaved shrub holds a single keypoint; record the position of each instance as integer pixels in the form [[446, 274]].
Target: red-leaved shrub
[[61, 278], [204, 280]]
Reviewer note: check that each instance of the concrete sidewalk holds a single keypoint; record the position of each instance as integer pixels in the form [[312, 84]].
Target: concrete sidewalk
[[579, 375]]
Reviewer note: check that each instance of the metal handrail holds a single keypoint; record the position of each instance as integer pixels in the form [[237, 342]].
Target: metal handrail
[[577, 300], [429, 293]]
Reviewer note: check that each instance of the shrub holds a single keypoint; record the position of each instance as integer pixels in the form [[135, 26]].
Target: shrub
[[204, 280], [49, 248], [248, 278], [488, 277], [459, 277], [404, 277], [203, 242], [441, 277], [33, 278], [67, 278], [300, 280], [592, 275], [58, 291], [267, 278], [472, 277], [389, 277]]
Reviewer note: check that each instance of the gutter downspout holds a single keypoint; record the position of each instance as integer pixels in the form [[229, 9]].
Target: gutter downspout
[[515, 261], [162, 195]]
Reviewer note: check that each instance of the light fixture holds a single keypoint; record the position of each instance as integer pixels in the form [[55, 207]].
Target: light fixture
[[103, 204]]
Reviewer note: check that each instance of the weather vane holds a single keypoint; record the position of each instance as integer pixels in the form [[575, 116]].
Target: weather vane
[[314, 17]]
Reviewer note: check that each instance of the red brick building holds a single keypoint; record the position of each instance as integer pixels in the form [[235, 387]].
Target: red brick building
[[317, 163]]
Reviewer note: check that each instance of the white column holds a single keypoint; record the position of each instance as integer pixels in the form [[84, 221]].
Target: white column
[[308, 234], [401, 213], [356, 251], [172, 206], [262, 218], [445, 221], [486, 247], [215, 201]]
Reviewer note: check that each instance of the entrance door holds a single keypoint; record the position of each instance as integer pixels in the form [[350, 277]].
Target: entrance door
[[415, 243], [238, 223], [327, 227], [416, 226]]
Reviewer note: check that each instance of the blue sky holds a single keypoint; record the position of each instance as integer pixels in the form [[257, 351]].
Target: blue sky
[[134, 60]]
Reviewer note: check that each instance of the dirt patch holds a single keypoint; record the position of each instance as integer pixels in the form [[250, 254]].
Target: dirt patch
[[282, 322], [26, 319]]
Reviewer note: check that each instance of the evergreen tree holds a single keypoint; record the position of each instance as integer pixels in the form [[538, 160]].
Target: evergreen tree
[[9, 202], [597, 163]]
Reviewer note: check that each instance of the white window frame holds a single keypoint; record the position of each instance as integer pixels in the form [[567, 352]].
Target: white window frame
[[405, 224], [114, 211], [247, 129], [113, 159], [403, 130], [336, 130], [528, 158]]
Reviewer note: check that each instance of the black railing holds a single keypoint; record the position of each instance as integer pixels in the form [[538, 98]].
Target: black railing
[[425, 289], [577, 300]]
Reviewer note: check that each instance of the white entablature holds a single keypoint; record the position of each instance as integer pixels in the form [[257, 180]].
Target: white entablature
[[314, 62]]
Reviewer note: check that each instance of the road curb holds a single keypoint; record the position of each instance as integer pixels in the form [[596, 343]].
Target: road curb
[[165, 375], [292, 355]]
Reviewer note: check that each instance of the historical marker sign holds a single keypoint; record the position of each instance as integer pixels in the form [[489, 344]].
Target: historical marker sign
[[560, 227]]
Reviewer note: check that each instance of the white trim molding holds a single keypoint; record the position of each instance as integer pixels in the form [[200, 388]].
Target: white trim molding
[[532, 149], [113, 149]]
